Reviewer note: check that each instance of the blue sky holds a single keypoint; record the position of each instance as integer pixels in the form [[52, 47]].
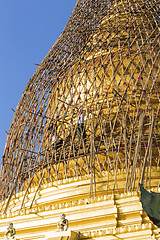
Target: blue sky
[[28, 29]]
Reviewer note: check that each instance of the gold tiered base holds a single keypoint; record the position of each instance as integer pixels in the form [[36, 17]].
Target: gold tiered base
[[66, 235], [100, 217]]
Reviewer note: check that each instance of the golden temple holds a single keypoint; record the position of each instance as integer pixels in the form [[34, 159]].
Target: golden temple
[[86, 131]]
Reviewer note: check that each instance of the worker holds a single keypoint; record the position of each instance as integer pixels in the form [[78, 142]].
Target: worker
[[11, 232], [56, 142], [63, 223], [80, 127], [54, 137]]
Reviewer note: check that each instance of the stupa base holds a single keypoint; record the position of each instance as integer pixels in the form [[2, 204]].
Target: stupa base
[[65, 235]]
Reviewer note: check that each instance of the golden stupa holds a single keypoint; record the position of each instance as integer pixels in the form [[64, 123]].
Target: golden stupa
[[86, 131]]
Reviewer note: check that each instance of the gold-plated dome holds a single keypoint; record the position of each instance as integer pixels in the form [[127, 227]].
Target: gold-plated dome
[[104, 69]]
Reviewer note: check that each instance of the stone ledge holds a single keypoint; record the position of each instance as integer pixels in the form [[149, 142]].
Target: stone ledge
[[57, 206], [67, 204]]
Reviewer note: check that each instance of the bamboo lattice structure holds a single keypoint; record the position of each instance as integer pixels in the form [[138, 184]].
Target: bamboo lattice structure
[[105, 65]]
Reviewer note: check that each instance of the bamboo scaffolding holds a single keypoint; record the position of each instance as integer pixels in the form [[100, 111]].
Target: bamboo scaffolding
[[105, 64]]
